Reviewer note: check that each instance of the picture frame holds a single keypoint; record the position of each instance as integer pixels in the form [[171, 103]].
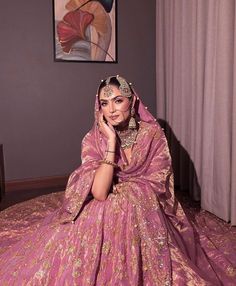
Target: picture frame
[[85, 30]]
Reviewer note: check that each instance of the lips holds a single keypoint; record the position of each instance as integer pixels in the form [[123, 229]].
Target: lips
[[114, 117]]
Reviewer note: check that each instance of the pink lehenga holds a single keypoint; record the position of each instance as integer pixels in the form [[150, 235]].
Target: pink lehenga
[[139, 235]]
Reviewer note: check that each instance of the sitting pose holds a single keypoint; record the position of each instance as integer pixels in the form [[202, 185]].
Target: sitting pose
[[119, 224]]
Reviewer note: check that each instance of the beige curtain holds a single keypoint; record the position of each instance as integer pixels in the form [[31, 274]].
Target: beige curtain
[[196, 97]]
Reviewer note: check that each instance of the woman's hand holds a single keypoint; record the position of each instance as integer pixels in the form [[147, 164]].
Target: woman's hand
[[106, 129], [104, 174]]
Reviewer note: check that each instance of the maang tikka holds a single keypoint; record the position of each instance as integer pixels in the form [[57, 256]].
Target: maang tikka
[[124, 87]]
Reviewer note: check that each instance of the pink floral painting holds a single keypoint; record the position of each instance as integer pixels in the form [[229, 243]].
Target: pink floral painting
[[85, 30]]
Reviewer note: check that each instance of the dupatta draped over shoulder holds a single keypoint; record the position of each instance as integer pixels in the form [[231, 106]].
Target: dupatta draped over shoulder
[[139, 235]]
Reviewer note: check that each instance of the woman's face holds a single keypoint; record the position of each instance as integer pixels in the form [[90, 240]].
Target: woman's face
[[115, 107]]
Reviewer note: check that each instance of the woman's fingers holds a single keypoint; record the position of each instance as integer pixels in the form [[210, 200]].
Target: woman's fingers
[[106, 128], [111, 127], [101, 116]]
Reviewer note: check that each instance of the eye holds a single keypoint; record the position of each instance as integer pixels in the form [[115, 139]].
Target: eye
[[103, 104], [119, 101]]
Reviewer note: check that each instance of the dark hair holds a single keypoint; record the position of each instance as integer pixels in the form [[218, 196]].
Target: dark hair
[[113, 81]]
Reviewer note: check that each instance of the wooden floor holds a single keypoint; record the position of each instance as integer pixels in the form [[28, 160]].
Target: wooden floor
[[14, 197]]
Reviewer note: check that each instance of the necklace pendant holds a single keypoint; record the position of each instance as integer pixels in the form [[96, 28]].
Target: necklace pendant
[[127, 138]]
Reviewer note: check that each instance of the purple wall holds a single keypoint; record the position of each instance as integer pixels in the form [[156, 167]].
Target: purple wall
[[46, 107]]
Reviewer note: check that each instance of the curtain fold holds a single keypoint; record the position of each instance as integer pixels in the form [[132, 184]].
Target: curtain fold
[[196, 76], [233, 148]]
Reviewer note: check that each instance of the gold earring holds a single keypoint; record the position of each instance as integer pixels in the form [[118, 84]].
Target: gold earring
[[132, 121]]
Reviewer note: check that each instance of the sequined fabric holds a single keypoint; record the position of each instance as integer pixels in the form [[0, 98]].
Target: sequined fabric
[[139, 235]]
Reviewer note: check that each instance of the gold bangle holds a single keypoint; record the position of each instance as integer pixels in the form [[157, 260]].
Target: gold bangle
[[105, 161], [108, 151]]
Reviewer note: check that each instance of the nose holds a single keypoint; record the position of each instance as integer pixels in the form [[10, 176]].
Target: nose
[[111, 107]]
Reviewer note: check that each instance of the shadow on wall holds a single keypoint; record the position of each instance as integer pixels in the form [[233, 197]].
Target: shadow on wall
[[186, 180]]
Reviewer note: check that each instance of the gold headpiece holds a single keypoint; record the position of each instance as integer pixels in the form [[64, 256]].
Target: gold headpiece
[[124, 87]]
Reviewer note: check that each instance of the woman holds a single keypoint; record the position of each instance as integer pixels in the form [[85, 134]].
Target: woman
[[119, 223]]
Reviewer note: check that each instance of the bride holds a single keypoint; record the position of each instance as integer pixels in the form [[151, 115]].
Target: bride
[[119, 223]]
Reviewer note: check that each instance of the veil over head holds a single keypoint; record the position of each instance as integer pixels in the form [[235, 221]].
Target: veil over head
[[141, 111]]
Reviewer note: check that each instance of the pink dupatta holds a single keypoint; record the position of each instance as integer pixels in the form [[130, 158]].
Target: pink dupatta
[[147, 182]]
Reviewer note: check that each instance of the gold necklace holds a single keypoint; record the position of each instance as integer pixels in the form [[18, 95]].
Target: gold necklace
[[127, 137]]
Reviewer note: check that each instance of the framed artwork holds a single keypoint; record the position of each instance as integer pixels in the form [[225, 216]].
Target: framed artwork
[[85, 30]]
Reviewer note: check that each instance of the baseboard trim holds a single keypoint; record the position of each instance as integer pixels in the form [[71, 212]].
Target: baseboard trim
[[37, 183]]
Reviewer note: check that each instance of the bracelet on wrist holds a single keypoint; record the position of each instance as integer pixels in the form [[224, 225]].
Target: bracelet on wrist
[[105, 161], [109, 151]]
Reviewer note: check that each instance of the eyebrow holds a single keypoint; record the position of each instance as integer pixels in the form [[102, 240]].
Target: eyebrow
[[114, 98]]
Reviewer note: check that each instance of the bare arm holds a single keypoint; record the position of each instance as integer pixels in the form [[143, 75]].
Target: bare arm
[[104, 174]]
